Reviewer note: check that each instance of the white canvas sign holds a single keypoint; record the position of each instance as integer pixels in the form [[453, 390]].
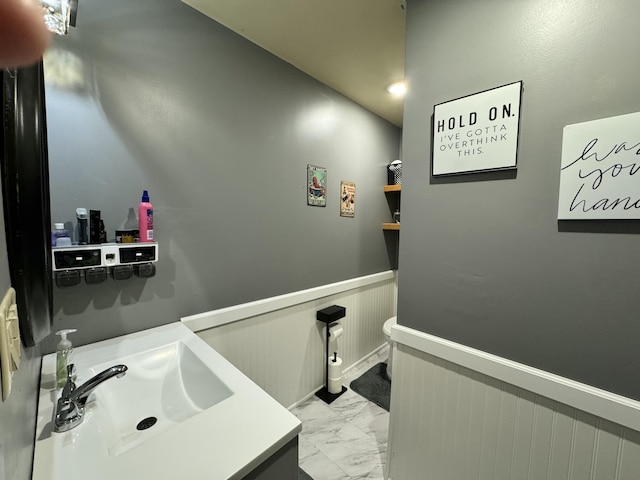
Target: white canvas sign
[[477, 132], [600, 169]]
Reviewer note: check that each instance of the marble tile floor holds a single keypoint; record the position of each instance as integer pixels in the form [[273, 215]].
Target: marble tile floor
[[347, 439]]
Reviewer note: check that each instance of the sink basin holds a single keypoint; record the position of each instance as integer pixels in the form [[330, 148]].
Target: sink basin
[[162, 387], [181, 411]]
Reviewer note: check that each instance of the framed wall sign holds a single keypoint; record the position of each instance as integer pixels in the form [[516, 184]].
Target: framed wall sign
[[316, 186], [478, 132], [347, 199], [600, 170]]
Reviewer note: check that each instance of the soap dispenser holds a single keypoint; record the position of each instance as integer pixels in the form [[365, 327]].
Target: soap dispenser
[[64, 353]]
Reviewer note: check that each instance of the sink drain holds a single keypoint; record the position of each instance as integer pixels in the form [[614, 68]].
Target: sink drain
[[146, 423]]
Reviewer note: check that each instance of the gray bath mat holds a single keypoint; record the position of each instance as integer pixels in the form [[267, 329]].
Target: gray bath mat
[[374, 386], [302, 475]]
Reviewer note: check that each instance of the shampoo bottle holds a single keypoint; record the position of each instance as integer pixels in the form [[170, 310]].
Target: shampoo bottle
[[64, 357], [145, 218]]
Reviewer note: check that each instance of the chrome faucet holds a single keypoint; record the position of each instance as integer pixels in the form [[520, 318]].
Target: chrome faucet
[[70, 407]]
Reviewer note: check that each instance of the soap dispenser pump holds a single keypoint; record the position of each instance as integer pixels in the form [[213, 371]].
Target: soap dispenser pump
[[64, 353]]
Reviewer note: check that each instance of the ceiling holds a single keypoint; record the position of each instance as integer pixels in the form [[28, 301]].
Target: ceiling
[[354, 46]]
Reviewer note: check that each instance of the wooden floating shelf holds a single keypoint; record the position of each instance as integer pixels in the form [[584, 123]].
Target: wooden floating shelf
[[391, 226], [392, 188]]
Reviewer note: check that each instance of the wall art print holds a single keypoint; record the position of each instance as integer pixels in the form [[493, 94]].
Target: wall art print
[[347, 199], [478, 132], [316, 186], [600, 169]]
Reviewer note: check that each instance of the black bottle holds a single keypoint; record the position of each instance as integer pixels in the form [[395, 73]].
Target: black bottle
[[103, 232]]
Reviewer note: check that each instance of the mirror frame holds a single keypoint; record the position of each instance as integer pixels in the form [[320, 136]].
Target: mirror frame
[[25, 185]]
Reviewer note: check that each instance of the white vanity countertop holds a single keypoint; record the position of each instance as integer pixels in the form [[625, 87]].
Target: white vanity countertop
[[225, 441]]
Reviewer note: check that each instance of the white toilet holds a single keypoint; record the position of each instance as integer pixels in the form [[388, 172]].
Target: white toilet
[[386, 329]]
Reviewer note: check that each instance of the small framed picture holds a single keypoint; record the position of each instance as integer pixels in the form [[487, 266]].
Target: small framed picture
[[316, 186], [347, 199]]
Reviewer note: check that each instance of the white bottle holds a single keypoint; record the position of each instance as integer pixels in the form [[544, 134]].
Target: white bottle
[[64, 357]]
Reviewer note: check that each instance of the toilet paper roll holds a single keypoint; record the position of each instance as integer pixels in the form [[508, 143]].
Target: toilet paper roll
[[335, 385], [335, 368], [335, 331]]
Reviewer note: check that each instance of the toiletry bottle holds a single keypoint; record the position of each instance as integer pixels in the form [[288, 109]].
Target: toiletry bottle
[[60, 236], [64, 357], [81, 214], [145, 218], [94, 227], [103, 232]]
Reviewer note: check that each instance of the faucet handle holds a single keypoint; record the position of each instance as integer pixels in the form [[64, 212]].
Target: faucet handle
[[68, 414], [70, 386]]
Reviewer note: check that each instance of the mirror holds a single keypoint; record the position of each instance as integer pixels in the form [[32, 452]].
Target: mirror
[[25, 184]]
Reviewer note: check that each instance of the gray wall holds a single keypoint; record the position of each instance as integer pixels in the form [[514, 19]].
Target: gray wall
[[151, 94], [483, 260], [17, 412]]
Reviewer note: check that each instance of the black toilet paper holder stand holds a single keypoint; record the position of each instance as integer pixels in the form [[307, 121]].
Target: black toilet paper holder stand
[[328, 316]]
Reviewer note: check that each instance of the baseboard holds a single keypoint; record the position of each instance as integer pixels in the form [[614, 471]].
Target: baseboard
[[363, 360]]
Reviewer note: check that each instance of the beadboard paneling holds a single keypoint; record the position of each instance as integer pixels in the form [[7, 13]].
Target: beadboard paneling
[[449, 423], [283, 350]]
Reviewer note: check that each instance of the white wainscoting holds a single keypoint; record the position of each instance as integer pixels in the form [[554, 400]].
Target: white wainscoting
[[450, 422], [280, 345]]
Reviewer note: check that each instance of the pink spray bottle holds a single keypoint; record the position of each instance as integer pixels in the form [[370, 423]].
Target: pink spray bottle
[[145, 218]]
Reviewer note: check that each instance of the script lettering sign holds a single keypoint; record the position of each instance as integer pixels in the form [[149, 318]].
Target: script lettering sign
[[600, 169]]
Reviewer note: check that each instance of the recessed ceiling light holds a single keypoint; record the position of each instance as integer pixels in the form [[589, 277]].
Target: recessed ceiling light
[[397, 88]]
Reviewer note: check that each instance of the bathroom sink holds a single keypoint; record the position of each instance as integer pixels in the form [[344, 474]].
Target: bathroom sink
[[181, 411], [162, 387]]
